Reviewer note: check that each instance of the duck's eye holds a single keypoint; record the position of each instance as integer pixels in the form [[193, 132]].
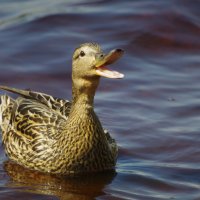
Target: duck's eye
[[82, 53]]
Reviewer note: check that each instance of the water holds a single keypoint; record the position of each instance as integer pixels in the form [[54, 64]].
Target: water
[[153, 113]]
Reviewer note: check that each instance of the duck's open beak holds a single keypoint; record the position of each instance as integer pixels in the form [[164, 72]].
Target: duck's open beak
[[104, 60]]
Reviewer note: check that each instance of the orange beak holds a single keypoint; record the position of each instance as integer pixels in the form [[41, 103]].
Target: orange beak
[[108, 59]]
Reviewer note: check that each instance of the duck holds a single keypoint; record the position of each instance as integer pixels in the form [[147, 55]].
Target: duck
[[57, 136]]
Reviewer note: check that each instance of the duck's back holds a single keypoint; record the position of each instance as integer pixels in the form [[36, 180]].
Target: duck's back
[[31, 125]]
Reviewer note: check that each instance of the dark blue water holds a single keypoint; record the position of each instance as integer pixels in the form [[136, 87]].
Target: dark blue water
[[153, 113]]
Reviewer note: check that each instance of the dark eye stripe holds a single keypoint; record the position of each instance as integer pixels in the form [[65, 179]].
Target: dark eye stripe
[[76, 57]]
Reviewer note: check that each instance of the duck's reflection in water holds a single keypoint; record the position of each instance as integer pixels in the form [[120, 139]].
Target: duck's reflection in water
[[84, 187]]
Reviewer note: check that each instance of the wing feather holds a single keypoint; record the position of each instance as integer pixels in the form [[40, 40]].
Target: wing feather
[[61, 106], [33, 126], [33, 119]]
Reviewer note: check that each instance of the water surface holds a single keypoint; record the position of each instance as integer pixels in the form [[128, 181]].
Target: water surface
[[153, 113]]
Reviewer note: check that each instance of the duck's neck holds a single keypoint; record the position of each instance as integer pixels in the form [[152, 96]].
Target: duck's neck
[[82, 113], [83, 92]]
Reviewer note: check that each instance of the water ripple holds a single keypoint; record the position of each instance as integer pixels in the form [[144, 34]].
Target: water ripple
[[153, 113]]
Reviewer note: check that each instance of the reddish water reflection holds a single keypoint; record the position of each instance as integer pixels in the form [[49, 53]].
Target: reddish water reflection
[[81, 187]]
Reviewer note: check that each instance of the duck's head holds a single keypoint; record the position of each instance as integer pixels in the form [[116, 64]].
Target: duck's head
[[89, 61], [89, 64]]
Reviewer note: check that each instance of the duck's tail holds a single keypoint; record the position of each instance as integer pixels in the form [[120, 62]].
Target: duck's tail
[[25, 93], [6, 104]]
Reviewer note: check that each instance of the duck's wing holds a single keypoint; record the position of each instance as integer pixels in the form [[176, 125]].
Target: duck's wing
[[32, 128], [30, 118], [59, 105], [112, 143], [32, 122]]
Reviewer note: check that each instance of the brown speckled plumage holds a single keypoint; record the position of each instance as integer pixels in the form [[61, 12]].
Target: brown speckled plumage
[[53, 135]]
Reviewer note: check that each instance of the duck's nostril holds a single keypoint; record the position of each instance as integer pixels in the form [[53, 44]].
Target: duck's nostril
[[99, 56], [119, 50]]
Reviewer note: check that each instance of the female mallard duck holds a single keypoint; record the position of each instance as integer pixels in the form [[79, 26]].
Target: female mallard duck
[[53, 135]]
